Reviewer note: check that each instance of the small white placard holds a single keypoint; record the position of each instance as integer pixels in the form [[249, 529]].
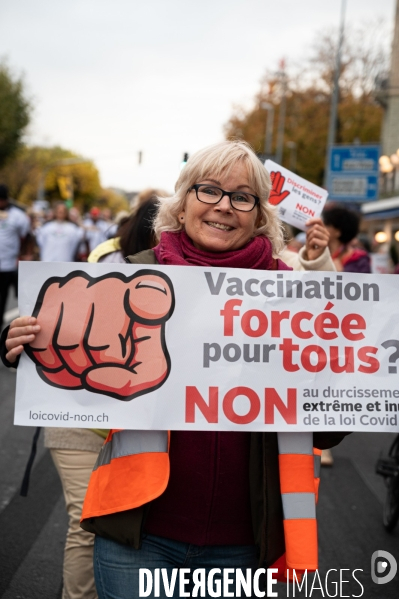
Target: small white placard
[[297, 200]]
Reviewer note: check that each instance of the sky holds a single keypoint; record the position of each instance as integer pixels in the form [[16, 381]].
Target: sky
[[110, 79]]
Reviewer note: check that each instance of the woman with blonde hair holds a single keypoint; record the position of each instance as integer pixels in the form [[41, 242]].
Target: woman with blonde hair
[[203, 499]]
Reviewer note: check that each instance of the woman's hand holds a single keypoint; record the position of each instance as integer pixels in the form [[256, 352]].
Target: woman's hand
[[22, 330], [317, 238]]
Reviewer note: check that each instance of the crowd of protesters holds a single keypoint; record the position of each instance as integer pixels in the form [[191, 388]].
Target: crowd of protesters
[[59, 234], [53, 234]]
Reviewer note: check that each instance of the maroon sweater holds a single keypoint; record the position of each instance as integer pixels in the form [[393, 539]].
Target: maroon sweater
[[207, 499]]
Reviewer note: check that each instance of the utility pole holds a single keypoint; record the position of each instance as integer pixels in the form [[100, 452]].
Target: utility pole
[[292, 145], [269, 128], [390, 130], [335, 93], [281, 115]]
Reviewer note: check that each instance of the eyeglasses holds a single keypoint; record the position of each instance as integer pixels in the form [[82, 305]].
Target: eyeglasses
[[239, 200]]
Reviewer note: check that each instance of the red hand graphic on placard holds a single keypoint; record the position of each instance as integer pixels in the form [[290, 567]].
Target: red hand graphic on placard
[[106, 335], [276, 195]]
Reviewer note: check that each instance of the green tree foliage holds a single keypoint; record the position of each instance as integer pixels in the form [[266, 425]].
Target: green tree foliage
[[308, 100], [36, 167], [15, 110]]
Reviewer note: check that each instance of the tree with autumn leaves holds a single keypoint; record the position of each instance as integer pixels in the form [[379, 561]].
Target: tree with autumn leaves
[[60, 173], [308, 97], [38, 167]]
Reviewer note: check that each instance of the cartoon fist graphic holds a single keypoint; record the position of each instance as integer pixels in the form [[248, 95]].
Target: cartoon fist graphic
[[106, 335], [276, 194]]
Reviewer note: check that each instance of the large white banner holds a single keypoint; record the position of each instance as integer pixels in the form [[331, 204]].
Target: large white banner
[[151, 347]]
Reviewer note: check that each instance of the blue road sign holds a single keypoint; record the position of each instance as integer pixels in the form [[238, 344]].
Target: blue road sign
[[353, 173]]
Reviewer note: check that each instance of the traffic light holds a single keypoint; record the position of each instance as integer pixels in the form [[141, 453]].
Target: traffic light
[[184, 161], [65, 186]]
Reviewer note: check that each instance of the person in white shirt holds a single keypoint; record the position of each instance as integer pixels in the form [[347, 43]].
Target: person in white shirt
[[59, 239], [97, 230], [14, 226]]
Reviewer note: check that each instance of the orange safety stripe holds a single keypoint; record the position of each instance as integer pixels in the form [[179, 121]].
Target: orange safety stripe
[[316, 487], [296, 473], [125, 483], [317, 456], [301, 551]]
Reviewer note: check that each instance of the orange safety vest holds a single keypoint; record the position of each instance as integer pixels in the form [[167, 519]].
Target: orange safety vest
[[133, 469]]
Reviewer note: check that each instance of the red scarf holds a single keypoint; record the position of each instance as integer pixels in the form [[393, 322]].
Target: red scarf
[[178, 249]]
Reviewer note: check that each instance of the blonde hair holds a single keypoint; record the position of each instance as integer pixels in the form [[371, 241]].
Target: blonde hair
[[214, 161]]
